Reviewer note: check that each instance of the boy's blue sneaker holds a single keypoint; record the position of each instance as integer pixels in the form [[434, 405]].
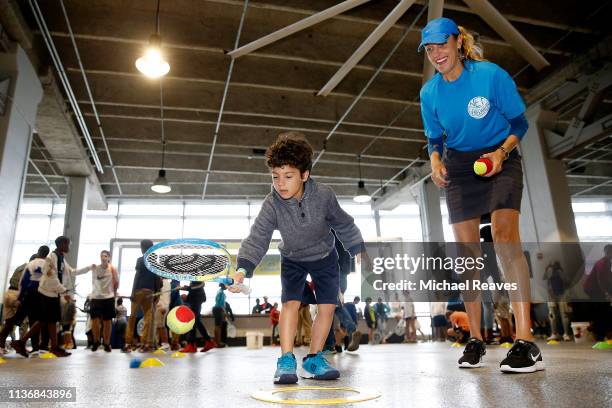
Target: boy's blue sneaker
[[317, 368], [286, 367]]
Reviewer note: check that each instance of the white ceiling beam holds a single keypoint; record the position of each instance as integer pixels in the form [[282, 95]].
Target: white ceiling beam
[[366, 46], [503, 27], [295, 27]]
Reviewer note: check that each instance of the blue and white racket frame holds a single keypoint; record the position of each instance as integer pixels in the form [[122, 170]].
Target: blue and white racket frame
[[225, 279]]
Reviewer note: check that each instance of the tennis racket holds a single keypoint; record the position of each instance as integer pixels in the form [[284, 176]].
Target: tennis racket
[[192, 259]]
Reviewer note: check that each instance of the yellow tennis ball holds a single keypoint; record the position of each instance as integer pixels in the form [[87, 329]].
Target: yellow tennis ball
[[483, 166], [180, 319]]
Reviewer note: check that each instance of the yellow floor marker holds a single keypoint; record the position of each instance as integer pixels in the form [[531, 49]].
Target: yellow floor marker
[[2, 361], [159, 351], [273, 397], [178, 354], [552, 342], [506, 345], [610, 342], [151, 362], [602, 345], [47, 355], [456, 345]]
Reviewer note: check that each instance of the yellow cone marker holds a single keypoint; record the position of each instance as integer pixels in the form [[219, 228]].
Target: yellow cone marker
[[456, 345], [151, 362], [552, 342], [506, 345], [47, 356], [178, 354], [2, 361], [159, 351]]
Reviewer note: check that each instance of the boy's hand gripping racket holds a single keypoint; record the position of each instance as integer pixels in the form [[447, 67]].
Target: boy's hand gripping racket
[[191, 259]]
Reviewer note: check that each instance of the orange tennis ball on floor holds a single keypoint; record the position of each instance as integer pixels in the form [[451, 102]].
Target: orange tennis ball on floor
[[483, 166], [180, 319]]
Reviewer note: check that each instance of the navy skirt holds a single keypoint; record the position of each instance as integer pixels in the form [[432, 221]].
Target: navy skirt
[[470, 196]]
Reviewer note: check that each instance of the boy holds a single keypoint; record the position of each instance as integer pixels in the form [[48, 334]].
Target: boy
[[57, 280], [26, 299], [304, 212], [218, 311], [145, 284], [194, 299], [369, 315], [104, 283]]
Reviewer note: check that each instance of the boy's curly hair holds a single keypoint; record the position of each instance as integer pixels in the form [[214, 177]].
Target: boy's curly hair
[[290, 148]]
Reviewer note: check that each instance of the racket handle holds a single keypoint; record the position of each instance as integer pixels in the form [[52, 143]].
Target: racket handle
[[227, 281], [244, 289]]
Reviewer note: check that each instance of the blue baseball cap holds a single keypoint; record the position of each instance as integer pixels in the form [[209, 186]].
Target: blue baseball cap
[[437, 31]]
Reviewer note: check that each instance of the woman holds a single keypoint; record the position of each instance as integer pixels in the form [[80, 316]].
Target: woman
[[475, 105]]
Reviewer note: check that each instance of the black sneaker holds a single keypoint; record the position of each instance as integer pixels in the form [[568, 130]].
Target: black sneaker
[[95, 347], [523, 357], [355, 340], [472, 355], [107, 348], [60, 352], [19, 347]]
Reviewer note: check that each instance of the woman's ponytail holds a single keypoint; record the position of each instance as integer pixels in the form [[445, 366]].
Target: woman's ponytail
[[470, 47]]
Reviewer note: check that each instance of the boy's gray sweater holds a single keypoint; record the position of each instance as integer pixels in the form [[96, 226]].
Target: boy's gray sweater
[[305, 227]]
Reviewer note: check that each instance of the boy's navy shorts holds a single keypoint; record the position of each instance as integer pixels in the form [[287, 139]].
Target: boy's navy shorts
[[324, 274]]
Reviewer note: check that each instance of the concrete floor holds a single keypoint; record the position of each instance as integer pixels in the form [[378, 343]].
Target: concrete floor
[[409, 375]]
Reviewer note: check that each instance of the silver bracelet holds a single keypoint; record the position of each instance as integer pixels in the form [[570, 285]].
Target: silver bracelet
[[506, 152]]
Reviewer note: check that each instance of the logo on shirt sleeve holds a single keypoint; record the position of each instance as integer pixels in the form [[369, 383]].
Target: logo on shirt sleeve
[[478, 107]]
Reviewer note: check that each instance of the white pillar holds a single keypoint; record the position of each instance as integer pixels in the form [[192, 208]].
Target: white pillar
[[24, 93], [546, 209], [431, 216], [74, 219], [547, 218]]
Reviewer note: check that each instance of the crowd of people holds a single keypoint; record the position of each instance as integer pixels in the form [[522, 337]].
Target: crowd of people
[[41, 302]]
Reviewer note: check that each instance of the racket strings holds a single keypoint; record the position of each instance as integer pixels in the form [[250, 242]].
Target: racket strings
[[186, 259]]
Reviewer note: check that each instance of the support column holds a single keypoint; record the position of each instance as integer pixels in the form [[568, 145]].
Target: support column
[[19, 100], [74, 220], [377, 222], [431, 216], [429, 193], [546, 209], [436, 9]]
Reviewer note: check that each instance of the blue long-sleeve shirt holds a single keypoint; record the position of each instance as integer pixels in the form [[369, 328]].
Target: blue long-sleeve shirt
[[478, 110]]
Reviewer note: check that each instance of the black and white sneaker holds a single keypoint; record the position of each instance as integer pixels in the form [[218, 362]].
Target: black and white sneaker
[[523, 357], [472, 355]]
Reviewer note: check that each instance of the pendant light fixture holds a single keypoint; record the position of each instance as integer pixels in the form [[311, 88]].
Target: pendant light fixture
[[161, 185], [362, 196], [152, 63]]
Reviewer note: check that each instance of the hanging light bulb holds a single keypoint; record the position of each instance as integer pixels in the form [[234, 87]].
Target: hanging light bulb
[[161, 185], [152, 63], [362, 196]]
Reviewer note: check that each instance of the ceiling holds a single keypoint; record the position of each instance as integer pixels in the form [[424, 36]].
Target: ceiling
[[273, 90]]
